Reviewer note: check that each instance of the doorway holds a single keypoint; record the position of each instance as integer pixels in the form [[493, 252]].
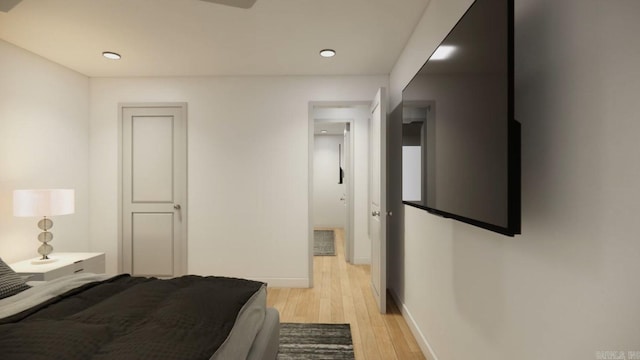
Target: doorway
[[332, 175], [350, 120], [366, 195]]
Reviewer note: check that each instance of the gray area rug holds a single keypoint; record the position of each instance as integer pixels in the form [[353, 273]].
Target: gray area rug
[[323, 243], [315, 341]]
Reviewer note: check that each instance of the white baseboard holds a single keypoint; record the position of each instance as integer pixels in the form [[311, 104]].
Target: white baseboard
[[283, 282], [362, 261], [413, 326]]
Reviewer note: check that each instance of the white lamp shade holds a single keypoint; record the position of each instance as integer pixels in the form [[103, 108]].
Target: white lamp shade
[[43, 202]]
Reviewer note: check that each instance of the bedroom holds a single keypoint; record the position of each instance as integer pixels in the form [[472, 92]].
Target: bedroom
[[578, 240]]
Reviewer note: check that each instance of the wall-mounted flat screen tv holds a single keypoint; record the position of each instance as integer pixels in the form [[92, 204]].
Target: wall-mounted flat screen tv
[[460, 141]]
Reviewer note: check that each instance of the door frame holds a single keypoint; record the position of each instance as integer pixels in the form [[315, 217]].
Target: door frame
[[350, 183], [183, 107]]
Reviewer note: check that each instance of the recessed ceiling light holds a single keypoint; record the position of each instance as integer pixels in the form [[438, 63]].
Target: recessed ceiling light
[[443, 52], [111, 55], [327, 53], [323, 131]]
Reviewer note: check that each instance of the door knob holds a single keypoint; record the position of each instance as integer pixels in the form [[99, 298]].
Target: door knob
[[177, 206], [375, 213]]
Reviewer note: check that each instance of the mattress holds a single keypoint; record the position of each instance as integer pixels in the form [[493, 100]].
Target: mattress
[[267, 341]]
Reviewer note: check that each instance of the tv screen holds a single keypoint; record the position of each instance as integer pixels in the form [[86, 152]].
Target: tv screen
[[461, 143]]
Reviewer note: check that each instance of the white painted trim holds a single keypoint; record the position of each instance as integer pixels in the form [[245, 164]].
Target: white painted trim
[[362, 261], [119, 265], [422, 341], [283, 282], [311, 133], [351, 193]]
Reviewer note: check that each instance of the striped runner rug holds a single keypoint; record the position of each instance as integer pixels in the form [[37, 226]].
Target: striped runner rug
[[315, 342]]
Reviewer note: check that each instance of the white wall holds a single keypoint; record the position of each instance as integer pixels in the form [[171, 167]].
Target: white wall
[[359, 114], [567, 287], [328, 209], [411, 173], [44, 111], [248, 167]]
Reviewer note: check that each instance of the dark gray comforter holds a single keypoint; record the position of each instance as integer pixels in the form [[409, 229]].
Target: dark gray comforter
[[130, 318]]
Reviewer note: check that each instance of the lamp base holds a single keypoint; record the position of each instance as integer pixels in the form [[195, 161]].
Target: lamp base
[[43, 261]]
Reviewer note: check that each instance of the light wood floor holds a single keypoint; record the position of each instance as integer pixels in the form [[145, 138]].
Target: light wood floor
[[342, 294]]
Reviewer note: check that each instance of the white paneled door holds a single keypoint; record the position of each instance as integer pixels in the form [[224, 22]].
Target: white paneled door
[[378, 199], [154, 189]]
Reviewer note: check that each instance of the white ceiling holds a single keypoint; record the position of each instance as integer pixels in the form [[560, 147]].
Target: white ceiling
[[196, 38], [331, 128]]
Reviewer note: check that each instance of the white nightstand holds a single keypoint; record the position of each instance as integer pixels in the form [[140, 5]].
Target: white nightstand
[[66, 264]]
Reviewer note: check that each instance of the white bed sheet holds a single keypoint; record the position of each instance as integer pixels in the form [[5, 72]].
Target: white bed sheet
[[44, 291]]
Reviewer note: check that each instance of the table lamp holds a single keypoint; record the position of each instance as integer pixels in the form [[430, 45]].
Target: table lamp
[[43, 203]]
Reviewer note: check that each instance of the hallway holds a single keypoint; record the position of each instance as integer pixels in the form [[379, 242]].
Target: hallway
[[342, 294]]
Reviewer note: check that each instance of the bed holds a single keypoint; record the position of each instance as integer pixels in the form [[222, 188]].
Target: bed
[[89, 316]]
